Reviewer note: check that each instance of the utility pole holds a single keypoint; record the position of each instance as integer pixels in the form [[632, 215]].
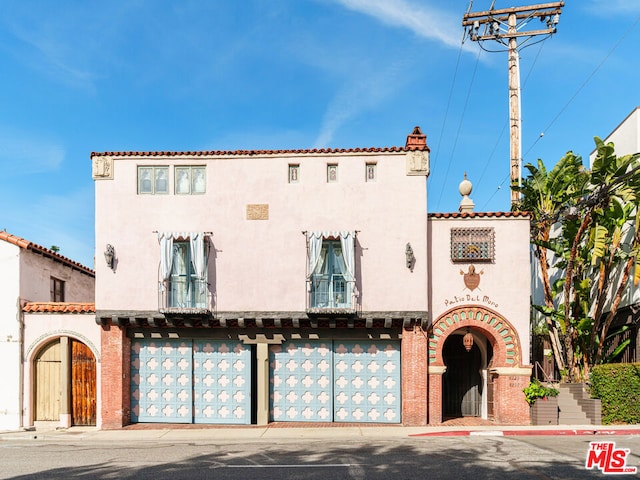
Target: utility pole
[[506, 27]]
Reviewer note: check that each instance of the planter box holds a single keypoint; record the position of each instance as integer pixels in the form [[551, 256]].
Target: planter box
[[545, 411]]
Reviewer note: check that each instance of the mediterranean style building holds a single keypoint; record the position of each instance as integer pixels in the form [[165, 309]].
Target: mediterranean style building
[[259, 286], [49, 344]]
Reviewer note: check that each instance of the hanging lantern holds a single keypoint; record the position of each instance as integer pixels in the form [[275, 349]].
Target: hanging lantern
[[467, 340]]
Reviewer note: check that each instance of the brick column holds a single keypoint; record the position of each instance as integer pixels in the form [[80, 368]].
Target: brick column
[[115, 377], [510, 406], [435, 394], [414, 377]]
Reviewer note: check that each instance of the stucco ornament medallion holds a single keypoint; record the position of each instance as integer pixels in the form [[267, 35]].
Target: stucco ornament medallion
[[418, 162], [102, 168], [471, 277]]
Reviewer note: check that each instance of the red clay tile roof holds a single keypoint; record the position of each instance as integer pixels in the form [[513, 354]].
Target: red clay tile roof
[[27, 245], [218, 153], [59, 307], [480, 215]]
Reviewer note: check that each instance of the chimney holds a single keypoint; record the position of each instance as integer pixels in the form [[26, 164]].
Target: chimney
[[416, 139]]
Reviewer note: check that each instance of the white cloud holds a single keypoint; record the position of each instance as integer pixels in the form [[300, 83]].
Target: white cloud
[[422, 19], [361, 93], [23, 153]]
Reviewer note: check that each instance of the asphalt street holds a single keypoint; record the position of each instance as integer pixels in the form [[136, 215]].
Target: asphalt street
[[305, 456]]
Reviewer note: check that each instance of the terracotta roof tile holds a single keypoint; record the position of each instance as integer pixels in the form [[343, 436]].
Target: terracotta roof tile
[[219, 153], [59, 307], [480, 215], [27, 245]]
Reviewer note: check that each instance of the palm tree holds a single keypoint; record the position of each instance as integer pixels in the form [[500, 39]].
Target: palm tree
[[547, 195], [588, 220]]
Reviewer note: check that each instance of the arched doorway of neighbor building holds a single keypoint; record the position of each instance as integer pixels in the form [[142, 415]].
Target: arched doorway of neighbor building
[[64, 383], [467, 355]]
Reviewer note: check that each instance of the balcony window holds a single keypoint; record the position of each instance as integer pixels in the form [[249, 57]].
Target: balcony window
[[183, 271], [331, 272]]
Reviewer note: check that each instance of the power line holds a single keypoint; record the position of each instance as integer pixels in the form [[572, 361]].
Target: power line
[[446, 113], [455, 143], [584, 84]]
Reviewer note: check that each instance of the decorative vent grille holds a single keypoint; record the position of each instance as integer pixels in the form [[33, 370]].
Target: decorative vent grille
[[472, 244]]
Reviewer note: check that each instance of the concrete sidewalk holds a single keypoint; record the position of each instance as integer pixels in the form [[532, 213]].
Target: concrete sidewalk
[[180, 434]]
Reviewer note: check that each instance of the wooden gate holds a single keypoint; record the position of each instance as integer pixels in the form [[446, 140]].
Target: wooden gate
[[48, 384], [83, 385]]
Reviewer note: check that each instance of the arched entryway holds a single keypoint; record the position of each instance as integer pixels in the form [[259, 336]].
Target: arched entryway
[[464, 382], [485, 382], [65, 383]]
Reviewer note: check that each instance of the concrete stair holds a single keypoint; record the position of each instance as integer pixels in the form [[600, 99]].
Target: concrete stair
[[576, 407]]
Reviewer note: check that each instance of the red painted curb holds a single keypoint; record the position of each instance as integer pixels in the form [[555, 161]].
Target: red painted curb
[[516, 433]]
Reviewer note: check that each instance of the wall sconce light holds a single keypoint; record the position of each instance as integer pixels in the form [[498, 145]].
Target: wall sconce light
[[467, 340], [110, 256], [411, 259]]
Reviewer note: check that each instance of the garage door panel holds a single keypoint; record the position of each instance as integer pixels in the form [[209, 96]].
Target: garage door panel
[[301, 381], [161, 381], [222, 382], [367, 382]]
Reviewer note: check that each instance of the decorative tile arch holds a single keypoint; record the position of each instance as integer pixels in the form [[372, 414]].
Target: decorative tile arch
[[501, 334]]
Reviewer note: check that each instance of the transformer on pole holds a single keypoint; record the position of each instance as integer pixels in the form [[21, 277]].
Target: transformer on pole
[[507, 26]]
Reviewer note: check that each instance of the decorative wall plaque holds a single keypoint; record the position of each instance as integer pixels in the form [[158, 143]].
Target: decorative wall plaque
[[418, 162], [102, 168], [259, 211]]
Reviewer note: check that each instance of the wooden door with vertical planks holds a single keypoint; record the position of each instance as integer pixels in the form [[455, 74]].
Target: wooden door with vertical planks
[[48, 388], [83, 384]]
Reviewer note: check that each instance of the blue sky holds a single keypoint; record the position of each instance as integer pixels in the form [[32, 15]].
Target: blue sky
[[83, 75]]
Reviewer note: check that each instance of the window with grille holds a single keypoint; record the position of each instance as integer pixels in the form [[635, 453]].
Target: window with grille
[[472, 244]]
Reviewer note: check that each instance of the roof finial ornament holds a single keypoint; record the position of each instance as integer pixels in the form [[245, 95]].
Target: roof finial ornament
[[465, 188]]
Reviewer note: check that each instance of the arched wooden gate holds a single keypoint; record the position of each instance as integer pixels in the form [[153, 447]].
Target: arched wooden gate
[[65, 382]]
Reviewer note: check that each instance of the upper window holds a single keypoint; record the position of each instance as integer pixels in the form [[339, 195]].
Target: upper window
[[371, 172], [183, 270], [472, 244], [190, 180], [332, 173], [331, 271], [56, 287], [153, 180], [294, 173]]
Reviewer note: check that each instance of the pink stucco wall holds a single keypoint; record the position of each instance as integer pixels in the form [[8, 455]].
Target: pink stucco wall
[[505, 284], [259, 265]]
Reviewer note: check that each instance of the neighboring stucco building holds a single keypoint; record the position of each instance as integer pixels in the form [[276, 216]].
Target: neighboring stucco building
[[250, 287], [626, 140], [47, 328]]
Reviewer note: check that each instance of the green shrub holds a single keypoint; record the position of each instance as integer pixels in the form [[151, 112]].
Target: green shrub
[[537, 390], [617, 385]]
